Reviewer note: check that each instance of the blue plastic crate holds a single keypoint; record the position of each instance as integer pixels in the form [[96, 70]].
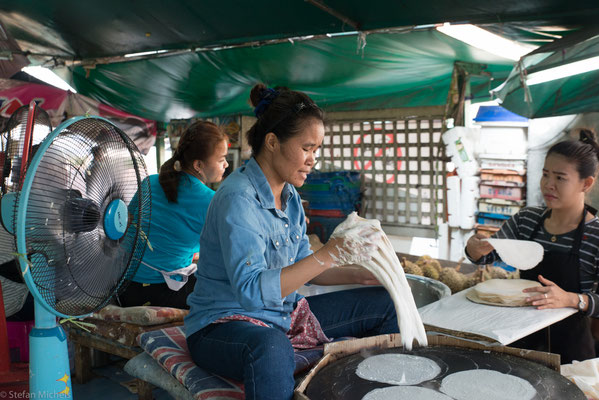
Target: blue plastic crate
[[323, 227]]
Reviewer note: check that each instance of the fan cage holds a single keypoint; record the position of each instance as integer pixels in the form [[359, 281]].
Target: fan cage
[[74, 266]]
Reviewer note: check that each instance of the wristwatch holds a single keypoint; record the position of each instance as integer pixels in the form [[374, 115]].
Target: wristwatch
[[581, 303]]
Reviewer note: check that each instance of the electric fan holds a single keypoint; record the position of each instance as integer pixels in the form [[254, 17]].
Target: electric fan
[[80, 221]]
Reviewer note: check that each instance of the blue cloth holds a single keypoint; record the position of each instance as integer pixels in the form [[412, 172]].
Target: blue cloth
[[245, 243], [263, 357], [175, 228]]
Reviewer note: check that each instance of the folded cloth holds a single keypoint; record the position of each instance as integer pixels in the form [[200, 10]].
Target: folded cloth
[[141, 315], [585, 375]]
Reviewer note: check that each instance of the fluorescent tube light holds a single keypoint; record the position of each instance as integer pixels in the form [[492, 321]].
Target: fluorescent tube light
[[46, 75], [487, 41], [563, 71], [145, 53]]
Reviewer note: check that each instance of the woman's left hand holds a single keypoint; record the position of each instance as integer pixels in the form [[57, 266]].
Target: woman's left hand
[[549, 295], [363, 276]]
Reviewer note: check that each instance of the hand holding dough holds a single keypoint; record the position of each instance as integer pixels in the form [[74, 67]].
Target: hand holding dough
[[359, 243], [384, 265], [521, 254]]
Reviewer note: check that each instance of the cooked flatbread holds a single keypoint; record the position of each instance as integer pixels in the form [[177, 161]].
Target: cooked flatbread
[[502, 292], [477, 384], [521, 254], [405, 392], [398, 369]]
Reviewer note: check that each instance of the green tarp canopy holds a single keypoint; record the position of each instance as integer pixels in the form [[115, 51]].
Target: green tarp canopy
[[568, 95], [394, 70], [403, 62]]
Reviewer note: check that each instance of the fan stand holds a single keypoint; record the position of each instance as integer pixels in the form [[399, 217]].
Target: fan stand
[[14, 378]]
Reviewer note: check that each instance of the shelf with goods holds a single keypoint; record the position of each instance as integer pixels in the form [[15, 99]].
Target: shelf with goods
[[502, 157], [502, 190]]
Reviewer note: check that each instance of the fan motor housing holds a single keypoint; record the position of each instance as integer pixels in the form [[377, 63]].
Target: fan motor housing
[[115, 219]]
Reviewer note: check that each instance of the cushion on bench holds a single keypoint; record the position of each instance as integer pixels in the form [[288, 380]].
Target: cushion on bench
[[142, 315], [169, 348]]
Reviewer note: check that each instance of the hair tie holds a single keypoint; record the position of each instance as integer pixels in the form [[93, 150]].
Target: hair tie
[[268, 95], [177, 166], [586, 136]]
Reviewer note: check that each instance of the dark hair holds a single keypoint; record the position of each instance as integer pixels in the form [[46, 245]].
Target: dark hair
[[584, 153], [281, 111], [197, 142]]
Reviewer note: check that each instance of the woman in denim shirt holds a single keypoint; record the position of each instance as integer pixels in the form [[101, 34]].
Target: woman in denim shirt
[[246, 316]]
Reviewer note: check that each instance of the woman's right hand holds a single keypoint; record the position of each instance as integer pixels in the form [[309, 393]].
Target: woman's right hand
[[349, 250], [477, 247]]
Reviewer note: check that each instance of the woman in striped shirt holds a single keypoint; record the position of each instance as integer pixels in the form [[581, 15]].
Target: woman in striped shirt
[[569, 232]]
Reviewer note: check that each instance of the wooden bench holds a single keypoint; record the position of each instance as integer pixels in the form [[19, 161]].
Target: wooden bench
[[116, 338]]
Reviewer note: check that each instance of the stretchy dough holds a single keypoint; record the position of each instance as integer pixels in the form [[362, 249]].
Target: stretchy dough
[[405, 392], [398, 369], [385, 266], [505, 292], [521, 254], [486, 384]]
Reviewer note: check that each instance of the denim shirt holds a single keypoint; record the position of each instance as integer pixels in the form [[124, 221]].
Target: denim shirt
[[245, 243]]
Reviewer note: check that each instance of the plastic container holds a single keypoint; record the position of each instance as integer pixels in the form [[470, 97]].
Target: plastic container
[[338, 190], [323, 227], [468, 197], [459, 148], [516, 164], [18, 339], [499, 206], [453, 201], [501, 192], [497, 114], [491, 219], [503, 175]]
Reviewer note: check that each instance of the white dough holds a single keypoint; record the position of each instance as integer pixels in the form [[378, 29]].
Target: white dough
[[398, 369], [486, 384], [521, 254], [506, 292], [405, 392], [385, 266]]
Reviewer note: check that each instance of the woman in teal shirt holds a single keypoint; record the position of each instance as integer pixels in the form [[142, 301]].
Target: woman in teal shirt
[[180, 199], [246, 315]]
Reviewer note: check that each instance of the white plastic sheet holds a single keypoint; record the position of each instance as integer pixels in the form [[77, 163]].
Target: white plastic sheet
[[498, 324]]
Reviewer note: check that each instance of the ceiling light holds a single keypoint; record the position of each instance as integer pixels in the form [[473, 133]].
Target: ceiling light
[[563, 71], [46, 75], [487, 41], [145, 53]]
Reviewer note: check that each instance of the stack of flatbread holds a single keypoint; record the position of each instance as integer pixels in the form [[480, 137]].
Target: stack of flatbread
[[502, 292]]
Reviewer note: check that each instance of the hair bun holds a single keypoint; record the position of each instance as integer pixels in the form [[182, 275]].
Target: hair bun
[[588, 136], [257, 93]]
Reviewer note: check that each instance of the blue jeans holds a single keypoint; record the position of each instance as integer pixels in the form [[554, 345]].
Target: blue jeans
[[263, 357]]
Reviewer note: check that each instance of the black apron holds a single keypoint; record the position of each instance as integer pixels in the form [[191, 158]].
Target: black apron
[[570, 337]]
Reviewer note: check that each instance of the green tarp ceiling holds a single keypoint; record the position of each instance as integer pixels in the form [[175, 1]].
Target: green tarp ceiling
[[330, 70], [395, 69], [569, 95]]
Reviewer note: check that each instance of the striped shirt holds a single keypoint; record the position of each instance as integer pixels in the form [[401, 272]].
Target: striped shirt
[[521, 226]]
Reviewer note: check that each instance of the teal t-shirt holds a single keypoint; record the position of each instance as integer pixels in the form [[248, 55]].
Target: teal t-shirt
[[175, 228]]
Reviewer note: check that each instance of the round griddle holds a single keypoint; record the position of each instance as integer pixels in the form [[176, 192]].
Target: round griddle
[[338, 380]]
